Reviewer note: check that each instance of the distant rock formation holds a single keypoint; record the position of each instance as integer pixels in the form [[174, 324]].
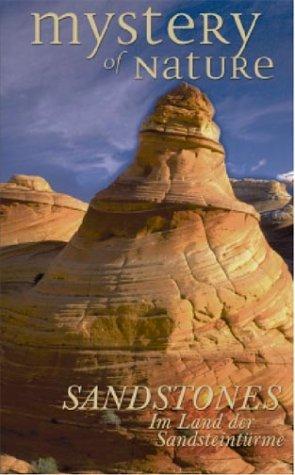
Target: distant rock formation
[[278, 228], [31, 211], [280, 217], [287, 178], [168, 281], [264, 195]]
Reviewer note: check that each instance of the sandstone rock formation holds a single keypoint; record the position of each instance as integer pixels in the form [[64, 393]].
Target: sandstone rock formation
[[168, 281], [31, 211], [23, 265], [9, 464], [272, 199], [264, 195]]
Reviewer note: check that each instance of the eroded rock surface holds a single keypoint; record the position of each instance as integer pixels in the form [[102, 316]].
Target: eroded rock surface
[[30, 211], [272, 199], [24, 265], [169, 281], [10, 464]]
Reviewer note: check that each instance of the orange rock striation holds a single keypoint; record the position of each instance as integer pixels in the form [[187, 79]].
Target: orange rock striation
[[168, 281], [31, 211]]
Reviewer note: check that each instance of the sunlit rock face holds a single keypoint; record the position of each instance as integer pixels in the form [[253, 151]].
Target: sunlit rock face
[[9, 464], [179, 159], [168, 281], [31, 211], [35, 224]]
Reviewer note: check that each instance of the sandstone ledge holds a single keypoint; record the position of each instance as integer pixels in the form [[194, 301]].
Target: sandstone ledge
[[30, 211]]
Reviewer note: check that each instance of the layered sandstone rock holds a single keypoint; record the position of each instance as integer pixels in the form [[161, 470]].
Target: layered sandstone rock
[[31, 211], [272, 199], [264, 195], [9, 464], [23, 265], [168, 281]]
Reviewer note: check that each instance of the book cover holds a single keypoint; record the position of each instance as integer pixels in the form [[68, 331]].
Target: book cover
[[146, 236]]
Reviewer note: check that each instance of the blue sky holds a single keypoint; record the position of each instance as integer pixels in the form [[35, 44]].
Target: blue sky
[[68, 119]]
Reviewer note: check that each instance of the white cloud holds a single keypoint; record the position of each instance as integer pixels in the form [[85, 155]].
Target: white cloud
[[102, 162], [261, 163], [287, 177], [65, 96]]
